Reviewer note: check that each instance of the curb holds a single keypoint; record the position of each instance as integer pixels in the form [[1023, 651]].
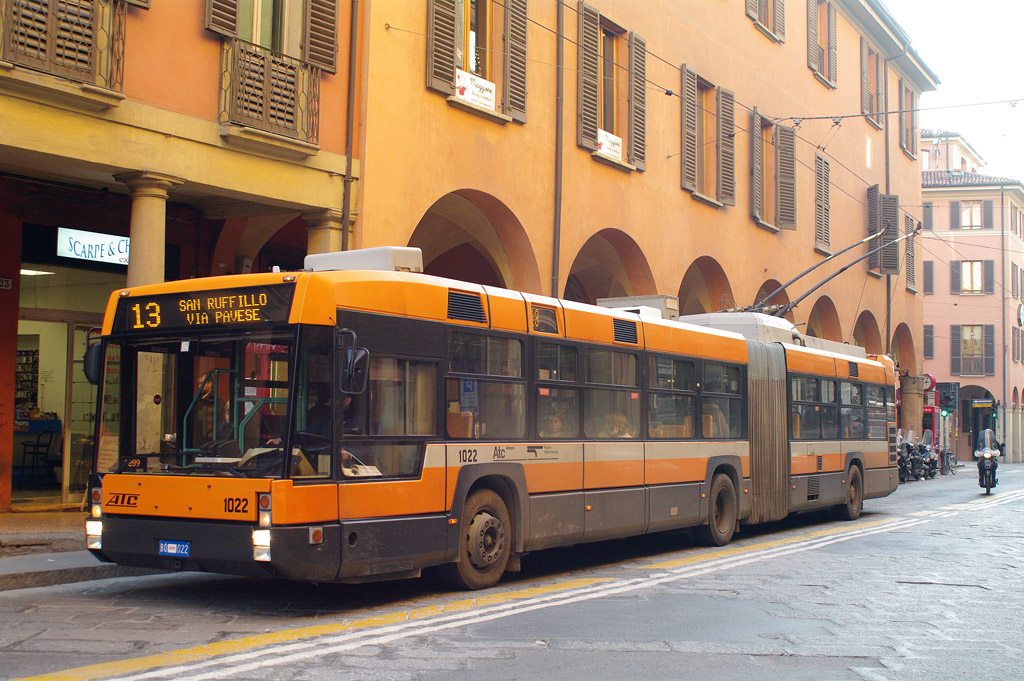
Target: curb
[[49, 569]]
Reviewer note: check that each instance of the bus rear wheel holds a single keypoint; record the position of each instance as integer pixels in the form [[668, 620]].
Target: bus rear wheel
[[854, 497], [485, 543], [722, 512]]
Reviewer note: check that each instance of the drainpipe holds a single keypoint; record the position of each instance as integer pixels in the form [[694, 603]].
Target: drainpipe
[[556, 237], [346, 195], [1002, 307], [888, 277]]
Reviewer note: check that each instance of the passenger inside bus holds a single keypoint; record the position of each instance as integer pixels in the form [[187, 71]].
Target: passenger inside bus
[[615, 425]]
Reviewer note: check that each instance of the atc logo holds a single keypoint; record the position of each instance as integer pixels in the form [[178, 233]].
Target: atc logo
[[123, 500]]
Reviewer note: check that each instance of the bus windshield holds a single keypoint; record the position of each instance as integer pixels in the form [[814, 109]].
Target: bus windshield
[[215, 405]]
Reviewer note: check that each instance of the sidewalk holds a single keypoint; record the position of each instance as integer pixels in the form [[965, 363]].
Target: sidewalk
[[42, 548]]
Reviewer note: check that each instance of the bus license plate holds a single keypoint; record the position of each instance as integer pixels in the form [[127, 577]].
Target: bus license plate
[[177, 549]]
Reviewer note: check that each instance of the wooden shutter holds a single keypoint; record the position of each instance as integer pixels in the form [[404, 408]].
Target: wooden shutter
[[987, 214], [752, 9], [785, 155], [726, 147], [688, 105], [954, 349], [927, 215], [989, 274], [954, 215], [57, 37], [321, 39], [779, 29], [913, 122], [833, 66], [955, 277], [812, 35], [990, 349], [756, 166], [821, 202], [890, 261], [222, 17], [144, 4], [637, 151], [587, 65], [441, 46], [929, 341], [928, 271], [516, 25], [874, 225], [908, 231], [865, 79], [880, 96]]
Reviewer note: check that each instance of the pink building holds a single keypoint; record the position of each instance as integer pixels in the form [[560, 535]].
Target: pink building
[[972, 261]]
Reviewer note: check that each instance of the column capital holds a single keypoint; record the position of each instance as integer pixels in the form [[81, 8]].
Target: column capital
[[148, 183], [328, 217]]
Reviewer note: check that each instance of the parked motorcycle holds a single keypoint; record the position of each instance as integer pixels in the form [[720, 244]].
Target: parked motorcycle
[[926, 448], [904, 456], [987, 452]]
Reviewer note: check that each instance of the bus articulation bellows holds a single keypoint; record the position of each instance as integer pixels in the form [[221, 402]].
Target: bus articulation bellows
[[361, 420]]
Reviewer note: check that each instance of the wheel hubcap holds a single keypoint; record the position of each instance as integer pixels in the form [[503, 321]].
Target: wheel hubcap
[[486, 540]]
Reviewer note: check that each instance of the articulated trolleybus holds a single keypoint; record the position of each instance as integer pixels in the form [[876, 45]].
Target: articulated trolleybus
[[362, 420]]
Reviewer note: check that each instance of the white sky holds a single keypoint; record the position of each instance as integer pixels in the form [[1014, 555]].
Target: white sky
[[975, 48]]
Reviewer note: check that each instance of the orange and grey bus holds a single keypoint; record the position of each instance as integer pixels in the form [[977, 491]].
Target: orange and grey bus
[[362, 420]]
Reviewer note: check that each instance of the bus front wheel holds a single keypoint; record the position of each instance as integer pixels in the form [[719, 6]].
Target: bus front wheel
[[722, 512], [485, 543]]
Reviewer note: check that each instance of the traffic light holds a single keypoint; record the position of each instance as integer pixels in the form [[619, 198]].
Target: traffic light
[[945, 403]]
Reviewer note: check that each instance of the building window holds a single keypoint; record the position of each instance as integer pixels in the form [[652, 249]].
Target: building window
[[926, 215], [929, 277], [972, 277], [463, 35], [708, 156], [769, 16], [821, 203], [773, 159], [972, 350], [611, 87], [908, 119], [970, 215], [908, 231], [821, 40], [929, 341], [871, 80]]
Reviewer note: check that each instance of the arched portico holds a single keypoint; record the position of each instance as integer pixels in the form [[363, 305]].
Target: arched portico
[[705, 288], [609, 265]]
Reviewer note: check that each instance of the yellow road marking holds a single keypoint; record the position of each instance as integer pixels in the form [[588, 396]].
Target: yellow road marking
[[239, 645], [739, 550]]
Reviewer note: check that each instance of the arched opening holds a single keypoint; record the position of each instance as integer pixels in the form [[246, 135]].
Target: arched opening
[[867, 335], [258, 243], [903, 350], [823, 321], [471, 236], [609, 265], [780, 299], [705, 288]]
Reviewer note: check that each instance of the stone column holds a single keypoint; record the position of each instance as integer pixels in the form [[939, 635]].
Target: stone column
[[148, 224], [1018, 455], [912, 403], [325, 231]]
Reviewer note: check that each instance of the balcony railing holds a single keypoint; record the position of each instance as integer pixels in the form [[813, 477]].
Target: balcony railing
[[972, 366], [269, 91], [80, 40]]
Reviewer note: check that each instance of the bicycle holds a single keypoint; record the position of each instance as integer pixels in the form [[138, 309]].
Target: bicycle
[[948, 463]]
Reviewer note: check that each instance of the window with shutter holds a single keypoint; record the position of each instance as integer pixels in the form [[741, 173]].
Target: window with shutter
[[974, 276], [821, 40], [773, 174], [821, 203], [769, 16], [926, 215], [708, 138], [462, 45], [954, 215], [955, 277], [929, 277], [908, 230], [955, 348], [786, 169], [890, 255], [908, 119], [990, 349], [588, 77], [989, 270], [871, 96], [874, 226], [637, 150], [929, 341], [987, 217]]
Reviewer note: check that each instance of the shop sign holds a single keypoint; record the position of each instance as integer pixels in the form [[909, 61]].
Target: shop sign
[[475, 90], [609, 145], [92, 246]]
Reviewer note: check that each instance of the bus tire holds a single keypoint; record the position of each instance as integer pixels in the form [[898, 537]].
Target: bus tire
[[850, 510], [485, 543], [722, 512]]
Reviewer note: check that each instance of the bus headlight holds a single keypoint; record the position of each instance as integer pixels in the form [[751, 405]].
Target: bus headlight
[[94, 534], [261, 545]]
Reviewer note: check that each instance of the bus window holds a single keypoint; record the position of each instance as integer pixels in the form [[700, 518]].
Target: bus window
[[471, 353], [875, 399], [611, 368], [556, 362], [670, 416], [485, 409], [611, 413], [558, 413], [722, 402]]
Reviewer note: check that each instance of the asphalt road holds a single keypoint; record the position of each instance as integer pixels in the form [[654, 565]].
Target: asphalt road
[[926, 585]]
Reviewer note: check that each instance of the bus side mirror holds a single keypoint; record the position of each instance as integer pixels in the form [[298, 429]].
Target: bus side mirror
[[92, 363], [355, 365]]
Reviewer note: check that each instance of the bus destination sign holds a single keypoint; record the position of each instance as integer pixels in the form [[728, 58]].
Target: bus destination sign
[[204, 310]]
